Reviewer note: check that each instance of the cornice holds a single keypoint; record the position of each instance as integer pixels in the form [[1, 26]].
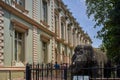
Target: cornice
[[45, 38], [64, 42], [59, 40], [24, 17], [15, 22]]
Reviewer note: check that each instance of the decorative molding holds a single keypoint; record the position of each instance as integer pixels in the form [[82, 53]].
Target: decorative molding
[[45, 38], [20, 7], [61, 41], [44, 23], [12, 68], [19, 24]]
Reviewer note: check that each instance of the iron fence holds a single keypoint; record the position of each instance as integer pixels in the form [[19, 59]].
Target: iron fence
[[42, 72]]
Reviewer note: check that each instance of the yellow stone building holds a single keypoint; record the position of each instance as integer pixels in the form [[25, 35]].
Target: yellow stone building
[[37, 31]]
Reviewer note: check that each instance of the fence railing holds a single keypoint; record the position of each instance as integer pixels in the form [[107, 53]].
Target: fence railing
[[41, 72]]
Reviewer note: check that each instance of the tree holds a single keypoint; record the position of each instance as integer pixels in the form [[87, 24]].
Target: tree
[[107, 14]]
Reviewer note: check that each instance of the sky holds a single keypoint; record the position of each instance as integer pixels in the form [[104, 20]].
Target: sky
[[78, 9]]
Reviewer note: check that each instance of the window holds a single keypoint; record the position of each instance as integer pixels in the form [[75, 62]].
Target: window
[[44, 49], [68, 30], [45, 11], [56, 55], [19, 47], [73, 41], [62, 30], [56, 25], [20, 2]]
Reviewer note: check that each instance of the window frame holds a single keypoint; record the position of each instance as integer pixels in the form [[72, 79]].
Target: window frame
[[45, 39], [22, 28], [20, 7], [45, 11], [18, 2], [16, 55], [45, 52], [56, 24], [62, 30]]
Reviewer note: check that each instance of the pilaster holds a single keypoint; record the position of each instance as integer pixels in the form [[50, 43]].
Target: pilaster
[[35, 10], [53, 29], [1, 37], [35, 17]]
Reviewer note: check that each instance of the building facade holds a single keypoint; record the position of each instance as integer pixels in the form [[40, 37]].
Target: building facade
[[37, 31]]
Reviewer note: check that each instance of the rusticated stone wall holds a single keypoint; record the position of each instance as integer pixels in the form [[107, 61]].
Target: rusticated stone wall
[[35, 17], [1, 37]]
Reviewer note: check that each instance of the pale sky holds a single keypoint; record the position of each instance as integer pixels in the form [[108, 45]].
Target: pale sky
[[78, 9]]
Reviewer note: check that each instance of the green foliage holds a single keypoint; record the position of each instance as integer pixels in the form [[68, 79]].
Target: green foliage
[[107, 13], [102, 48], [99, 9]]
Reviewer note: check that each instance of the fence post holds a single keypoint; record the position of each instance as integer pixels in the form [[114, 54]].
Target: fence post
[[118, 70], [51, 69], [42, 71], [36, 72], [28, 72]]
